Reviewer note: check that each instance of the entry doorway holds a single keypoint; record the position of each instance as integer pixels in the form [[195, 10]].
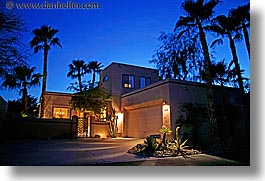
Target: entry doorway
[[84, 125]]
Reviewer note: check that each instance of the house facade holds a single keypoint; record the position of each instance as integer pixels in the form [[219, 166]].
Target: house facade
[[144, 103], [163, 103], [119, 79]]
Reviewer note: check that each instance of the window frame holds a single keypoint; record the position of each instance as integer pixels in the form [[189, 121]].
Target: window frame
[[145, 84], [128, 79], [55, 107]]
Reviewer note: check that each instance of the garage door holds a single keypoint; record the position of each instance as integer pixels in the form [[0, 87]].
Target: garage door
[[144, 122]]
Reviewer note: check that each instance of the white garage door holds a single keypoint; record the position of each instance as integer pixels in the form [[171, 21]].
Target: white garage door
[[144, 122]]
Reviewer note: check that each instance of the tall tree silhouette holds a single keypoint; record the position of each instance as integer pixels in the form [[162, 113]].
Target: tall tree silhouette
[[95, 67], [227, 26], [13, 51], [44, 38], [22, 79], [177, 56], [78, 69], [198, 14], [242, 16], [221, 73]]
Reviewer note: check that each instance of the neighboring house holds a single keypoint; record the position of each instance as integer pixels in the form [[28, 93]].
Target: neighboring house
[[58, 106], [143, 103]]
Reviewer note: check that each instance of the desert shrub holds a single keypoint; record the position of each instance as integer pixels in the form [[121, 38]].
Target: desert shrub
[[150, 146]]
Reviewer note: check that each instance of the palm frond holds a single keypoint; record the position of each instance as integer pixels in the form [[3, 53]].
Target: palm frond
[[238, 37], [44, 38], [56, 41], [218, 41], [209, 8], [180, 34], [184, 22]]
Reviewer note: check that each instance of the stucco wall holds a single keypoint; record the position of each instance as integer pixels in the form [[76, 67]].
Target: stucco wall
[[143, 108], [182, 92], [101, 129], [53, 99], [45, 128], [176, 93], [114, 83], [152, 92]]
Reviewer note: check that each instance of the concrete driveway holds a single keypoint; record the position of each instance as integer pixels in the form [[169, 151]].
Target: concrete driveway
[[87, 151], [67, 152]]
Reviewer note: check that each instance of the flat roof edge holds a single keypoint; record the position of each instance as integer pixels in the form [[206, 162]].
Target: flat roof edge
[[57, 93], [131, 65], [174, 81]]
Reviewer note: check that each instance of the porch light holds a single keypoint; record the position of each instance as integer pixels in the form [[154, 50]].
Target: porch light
[[166, 115]]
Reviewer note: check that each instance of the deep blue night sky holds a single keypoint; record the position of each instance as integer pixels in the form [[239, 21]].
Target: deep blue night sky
[[122, 30]]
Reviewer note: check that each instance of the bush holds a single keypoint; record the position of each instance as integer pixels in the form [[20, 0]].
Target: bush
[[150, 146]]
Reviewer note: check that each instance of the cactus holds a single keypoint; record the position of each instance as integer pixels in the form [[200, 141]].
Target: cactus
[[164, 130]]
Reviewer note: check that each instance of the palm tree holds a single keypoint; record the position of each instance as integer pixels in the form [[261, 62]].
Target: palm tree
[[219, 72], [22, 79], [95, 67], [227, 26], [77, 70], [242, 15], [199, 13], [222, 74], [43, 40]]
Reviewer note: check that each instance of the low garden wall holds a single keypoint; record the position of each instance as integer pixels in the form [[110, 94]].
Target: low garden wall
[[38, 128]]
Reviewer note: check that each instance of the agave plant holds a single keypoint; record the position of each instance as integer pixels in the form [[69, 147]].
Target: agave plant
[[180, 146]]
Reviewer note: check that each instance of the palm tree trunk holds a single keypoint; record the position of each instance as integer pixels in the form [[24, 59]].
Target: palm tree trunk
[[246, 39], [237, 66], [93, 78], [44, 80], [25, 99], [80, 82], [240, 79], [207, 64]]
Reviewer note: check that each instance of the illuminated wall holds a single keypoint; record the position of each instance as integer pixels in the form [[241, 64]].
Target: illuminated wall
[[120, 123], [166, 115]]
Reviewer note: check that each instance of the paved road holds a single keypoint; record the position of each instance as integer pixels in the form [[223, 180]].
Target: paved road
[[89, 152]]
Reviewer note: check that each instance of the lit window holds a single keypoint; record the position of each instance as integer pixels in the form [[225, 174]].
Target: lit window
[[103, 114], [128, 81], [144, 81], [61, 113]]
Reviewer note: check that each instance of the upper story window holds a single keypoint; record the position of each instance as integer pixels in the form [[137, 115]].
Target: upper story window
[[144, 81], [128, 81]]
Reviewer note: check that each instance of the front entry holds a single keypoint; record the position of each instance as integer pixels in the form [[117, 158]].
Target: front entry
[[83, 125]]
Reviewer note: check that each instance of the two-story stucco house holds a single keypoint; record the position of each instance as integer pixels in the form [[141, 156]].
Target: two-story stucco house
[[143, 102]]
